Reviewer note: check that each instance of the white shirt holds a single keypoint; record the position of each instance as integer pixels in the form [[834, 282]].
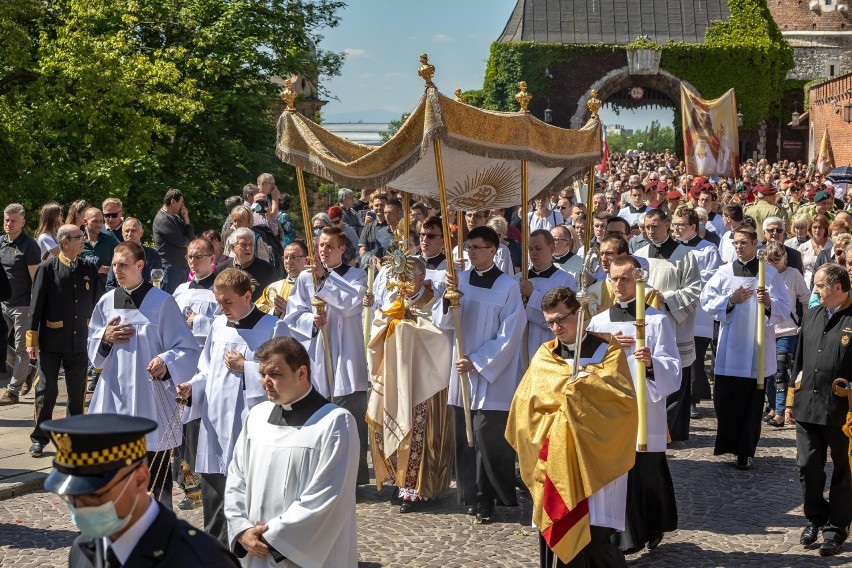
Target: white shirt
[[125, 544]]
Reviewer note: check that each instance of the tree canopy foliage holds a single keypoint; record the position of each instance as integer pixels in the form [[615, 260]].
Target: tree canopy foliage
[[653, 138], [127, 98]]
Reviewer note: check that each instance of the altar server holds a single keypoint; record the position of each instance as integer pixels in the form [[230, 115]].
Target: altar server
[[731, 296], [685, 230], [576, 440], [290, 495], [342, 288], [673, 272], [226, 387], [542, 277], [492, 320], [139, 338], [198, 305], [651, 505]]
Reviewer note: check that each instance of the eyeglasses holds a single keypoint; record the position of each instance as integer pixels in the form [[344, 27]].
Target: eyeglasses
[[559, 321], [197, 256], [776, 231], [475, 248], [112, 215], [771, 260], [74, 237], [429, 235]]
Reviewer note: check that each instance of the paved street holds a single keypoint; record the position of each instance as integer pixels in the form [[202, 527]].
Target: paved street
[[728, 517]]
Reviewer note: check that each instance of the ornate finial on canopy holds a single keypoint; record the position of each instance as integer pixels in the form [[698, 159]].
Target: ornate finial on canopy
[[289, 96], [523, 97], [594, 104], [458, 93], [426, 70]]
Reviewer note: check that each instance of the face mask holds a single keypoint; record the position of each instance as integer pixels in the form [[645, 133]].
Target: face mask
[[701, 226], [101, 521], [317, 232]]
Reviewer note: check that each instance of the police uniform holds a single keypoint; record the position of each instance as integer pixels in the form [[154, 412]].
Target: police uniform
[[90, 450], [823, 353], [63, 298]]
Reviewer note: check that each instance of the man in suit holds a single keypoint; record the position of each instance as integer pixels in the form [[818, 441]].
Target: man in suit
[[822, 355], [101, 464], [774, 229], [64, 295]]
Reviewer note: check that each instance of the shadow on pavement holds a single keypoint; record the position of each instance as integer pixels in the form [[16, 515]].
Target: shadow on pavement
[[692, 555], [14, 535]]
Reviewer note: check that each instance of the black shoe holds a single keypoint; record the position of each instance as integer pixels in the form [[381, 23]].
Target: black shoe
[[809, 535], [693, 411], [830, 547], [470, 510], [188, 504], [90, 386], [655, 541], [409, 506], [36, 450], [744, 463], [484, 511]]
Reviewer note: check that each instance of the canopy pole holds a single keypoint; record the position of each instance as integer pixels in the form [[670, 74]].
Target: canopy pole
[[594, 105], [452, 294], [289, 96]]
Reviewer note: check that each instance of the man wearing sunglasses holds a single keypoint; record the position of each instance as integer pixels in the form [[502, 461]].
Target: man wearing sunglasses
[[113, 217], [101, 472]]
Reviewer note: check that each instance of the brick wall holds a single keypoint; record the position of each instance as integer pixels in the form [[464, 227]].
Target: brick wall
[[823, 114], [794, 15]]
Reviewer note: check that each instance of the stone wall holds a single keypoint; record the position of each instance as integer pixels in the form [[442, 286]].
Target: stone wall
[[813, 55]]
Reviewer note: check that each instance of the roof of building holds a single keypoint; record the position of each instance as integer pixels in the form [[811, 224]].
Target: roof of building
[[613, 22]]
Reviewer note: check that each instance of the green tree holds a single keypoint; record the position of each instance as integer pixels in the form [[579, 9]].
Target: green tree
[[654, 138], [130, 97], [394, 126]]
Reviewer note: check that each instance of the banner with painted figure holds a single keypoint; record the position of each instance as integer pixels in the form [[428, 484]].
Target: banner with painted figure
[[710, 134], [825, 158]]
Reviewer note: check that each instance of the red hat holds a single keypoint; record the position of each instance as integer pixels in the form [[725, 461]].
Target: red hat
[[335, 211], [699, 181], [651, 187], [672, 195], [765, 190], [661, 186]]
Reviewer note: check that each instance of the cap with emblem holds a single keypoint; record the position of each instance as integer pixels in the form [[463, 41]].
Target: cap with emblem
[[821, 195], [765, 190], [91, 448]]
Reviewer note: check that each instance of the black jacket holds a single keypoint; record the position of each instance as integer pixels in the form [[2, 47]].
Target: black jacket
[[61, 305], [823, 353], [169, 542]]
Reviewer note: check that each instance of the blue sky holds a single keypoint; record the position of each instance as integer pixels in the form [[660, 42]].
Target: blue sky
[[384, 39]]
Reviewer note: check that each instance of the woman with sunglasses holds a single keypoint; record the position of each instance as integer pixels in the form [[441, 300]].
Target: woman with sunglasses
[[786, 332]]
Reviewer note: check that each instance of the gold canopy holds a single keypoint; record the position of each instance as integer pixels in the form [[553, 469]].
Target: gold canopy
[[482, 153]]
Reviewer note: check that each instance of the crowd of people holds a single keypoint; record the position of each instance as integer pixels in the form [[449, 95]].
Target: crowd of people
[[273, 374]]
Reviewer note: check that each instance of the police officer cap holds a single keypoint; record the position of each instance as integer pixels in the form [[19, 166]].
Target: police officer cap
[[91, 448]]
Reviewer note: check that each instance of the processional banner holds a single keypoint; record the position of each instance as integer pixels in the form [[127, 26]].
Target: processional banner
[[710, 134]]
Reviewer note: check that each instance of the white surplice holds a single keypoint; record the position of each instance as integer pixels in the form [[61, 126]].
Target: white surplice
[[300, 481], [221, 397], [538, 331], [736, 355], [159, 330], [678, 280], [573, 266], [203, 303], [660, 339], [345, 325], [492, 321], [709, 260]]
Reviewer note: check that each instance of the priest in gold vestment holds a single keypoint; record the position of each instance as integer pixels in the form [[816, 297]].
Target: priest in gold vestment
[[575, 439], [411, 426]]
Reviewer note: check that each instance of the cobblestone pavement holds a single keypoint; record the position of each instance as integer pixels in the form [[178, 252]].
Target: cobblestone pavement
[[728, 518]]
